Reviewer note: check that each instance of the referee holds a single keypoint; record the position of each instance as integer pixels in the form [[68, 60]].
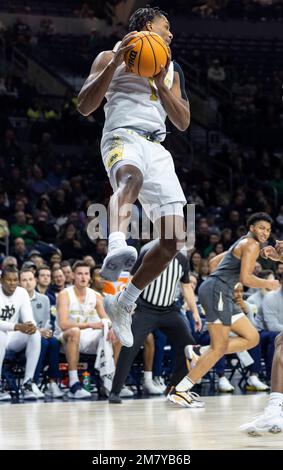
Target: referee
[[156, 308]]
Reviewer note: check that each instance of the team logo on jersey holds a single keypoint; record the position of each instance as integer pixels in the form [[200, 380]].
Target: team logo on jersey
[[115, 152], [7, 312]]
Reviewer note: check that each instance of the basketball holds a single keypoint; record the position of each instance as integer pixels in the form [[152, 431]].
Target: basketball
[[148, 55]]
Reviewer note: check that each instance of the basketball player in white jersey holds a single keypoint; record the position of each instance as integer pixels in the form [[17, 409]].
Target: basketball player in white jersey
[[81, 318], [137, 164], [17, 329]]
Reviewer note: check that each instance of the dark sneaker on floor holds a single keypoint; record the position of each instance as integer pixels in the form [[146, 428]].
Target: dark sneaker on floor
[[114, 398]]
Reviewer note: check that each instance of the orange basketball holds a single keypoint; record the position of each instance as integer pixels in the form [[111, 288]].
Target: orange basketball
[[149, 53]]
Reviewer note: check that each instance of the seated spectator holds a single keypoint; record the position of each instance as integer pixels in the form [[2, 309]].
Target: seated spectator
[[272, 309], [71, 244], [216, 72], [20, 251], [36, 258], [9, 261], [58, 280], [56, 257], [44, 282], [23, 230], [17, 329], [267, 338], [50, 346], [68, 273]]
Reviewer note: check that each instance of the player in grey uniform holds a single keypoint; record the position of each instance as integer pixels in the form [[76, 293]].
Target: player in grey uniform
[[216, 297]]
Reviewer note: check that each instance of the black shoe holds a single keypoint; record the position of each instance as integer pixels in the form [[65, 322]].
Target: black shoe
[[114, 398]]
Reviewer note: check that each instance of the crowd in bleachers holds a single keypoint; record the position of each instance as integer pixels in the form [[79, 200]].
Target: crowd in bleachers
[[226, 9]]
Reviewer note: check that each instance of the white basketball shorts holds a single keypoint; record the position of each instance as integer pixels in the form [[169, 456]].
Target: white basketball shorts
[[161, 191]]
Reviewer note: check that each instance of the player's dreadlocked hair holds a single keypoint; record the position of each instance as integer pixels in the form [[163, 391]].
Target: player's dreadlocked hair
[[141, 16]]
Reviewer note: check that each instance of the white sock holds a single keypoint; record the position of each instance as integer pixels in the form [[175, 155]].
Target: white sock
[[73, 377], [32, 355], [130, 295], [147, 375], [185, 385], [275, 402], [203, 349], [116, 240]]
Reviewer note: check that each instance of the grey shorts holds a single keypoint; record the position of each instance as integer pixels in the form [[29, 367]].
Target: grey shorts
[[216, 298]]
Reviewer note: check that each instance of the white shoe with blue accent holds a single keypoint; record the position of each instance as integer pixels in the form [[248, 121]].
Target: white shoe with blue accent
[[118, 260]]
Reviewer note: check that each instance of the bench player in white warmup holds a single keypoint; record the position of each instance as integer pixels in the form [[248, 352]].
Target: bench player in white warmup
[[80, 324], [137, 164], [18, 329]]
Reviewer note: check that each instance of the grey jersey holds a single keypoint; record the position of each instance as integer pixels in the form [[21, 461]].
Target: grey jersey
[[229, 268]]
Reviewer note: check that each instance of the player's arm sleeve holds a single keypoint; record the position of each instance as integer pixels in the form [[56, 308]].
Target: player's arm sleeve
[[6, 326], [26, 309], [178, 69]]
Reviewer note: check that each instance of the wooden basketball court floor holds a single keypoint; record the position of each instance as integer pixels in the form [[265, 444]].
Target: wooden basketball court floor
[[144, 424]]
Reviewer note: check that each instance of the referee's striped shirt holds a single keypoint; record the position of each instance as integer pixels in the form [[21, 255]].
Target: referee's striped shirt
[[161, 293]]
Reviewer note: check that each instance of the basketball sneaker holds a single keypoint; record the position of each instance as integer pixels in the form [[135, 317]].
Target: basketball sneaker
[[268, 421], [159, 382], [121, 316], [185, 399], [256, 385], [38, 393], [53, 390], [224, 385], [151, 388], [126, 392], [118, 260], [27, 391], [78, 392]]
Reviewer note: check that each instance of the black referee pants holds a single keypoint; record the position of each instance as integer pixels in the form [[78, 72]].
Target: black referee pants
[[145, 319]]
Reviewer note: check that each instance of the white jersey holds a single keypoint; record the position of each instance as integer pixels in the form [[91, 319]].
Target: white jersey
[[82, 312], [14, 308], [133, 101]]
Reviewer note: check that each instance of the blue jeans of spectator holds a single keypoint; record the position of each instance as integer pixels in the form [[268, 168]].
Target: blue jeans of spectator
[[49, 354]]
